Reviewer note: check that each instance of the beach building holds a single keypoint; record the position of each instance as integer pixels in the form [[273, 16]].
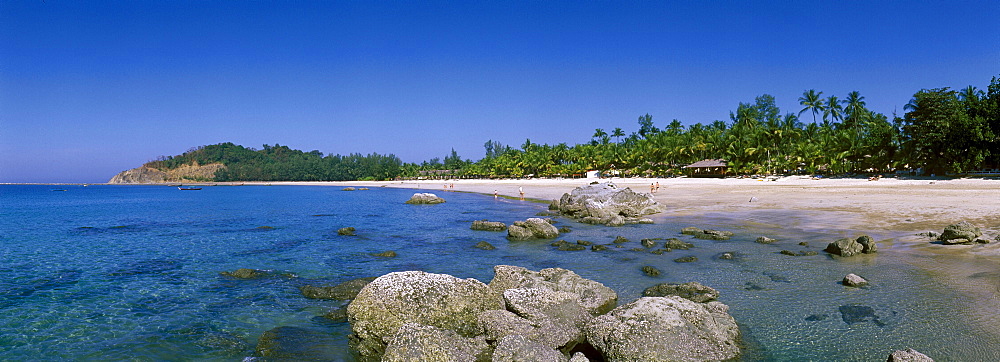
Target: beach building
[[707, 168]]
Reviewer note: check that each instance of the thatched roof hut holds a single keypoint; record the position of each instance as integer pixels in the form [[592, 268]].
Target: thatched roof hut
[[707, 168]]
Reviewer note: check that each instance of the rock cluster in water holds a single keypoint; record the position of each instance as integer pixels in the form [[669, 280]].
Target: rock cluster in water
[[606, 204], [425, 199], [523, 315]]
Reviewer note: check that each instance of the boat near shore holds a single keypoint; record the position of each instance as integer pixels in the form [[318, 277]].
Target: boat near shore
[[182, 188]]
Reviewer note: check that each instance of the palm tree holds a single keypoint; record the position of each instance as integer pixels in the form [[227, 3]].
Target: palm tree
[[854, 109], [812, 102], [833, 109], [618, 134], [599, 134]]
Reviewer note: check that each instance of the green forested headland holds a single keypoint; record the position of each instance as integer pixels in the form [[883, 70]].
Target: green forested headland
[[942, 131]]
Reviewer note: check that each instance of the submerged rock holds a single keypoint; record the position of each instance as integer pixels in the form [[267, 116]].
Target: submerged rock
[[675, 243], [960, 233], [385, 254], [693, 291], [714, 234], [606, 204], [348, 189], [245, 273], [666, 329], [425, 199], [533, 228], [343, 291], [648, 243], [485, 245], [297, 344], [858, 313], [488, 225], [686, 259], [348, 231]]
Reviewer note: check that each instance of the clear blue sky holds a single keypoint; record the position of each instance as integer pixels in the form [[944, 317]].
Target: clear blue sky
[[91, 88]]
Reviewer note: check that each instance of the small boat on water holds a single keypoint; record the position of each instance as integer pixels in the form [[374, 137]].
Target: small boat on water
[[188, 188]]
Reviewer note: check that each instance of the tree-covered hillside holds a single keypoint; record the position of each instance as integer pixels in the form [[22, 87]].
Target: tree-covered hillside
[[280, 163]]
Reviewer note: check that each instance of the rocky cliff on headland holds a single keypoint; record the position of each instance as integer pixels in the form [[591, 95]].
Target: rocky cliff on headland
[[186, 173]]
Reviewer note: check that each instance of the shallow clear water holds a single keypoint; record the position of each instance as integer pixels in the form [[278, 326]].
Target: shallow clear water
[[132, 272]]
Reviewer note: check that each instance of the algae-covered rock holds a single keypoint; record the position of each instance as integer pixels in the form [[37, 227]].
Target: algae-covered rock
[[650, 271], [348, 231], [343, 291], [485, 225], [693, 291]]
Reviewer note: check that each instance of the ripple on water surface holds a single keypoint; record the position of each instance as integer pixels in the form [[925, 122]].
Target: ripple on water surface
[[110, 273]]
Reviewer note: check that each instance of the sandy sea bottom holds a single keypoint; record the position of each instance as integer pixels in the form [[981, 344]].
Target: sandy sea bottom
[[114, 273]]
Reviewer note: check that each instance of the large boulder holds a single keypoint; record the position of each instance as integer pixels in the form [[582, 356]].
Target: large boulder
[[960, 233], [533, 228], [666, 329], [424, 198], [436, 300], [606, 204], [416, 342], [693, 291], [488, 225], [851, 247], [594, 296]]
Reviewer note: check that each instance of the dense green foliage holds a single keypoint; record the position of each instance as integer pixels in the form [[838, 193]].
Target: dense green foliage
[[280, 163], [943, 131]]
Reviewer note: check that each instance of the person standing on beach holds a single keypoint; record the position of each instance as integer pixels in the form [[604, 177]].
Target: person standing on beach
[[652, 189], [657, 186], [495, 194], [520, 189]]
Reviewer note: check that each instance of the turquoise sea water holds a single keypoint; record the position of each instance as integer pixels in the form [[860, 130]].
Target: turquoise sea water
[[132, 272]]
